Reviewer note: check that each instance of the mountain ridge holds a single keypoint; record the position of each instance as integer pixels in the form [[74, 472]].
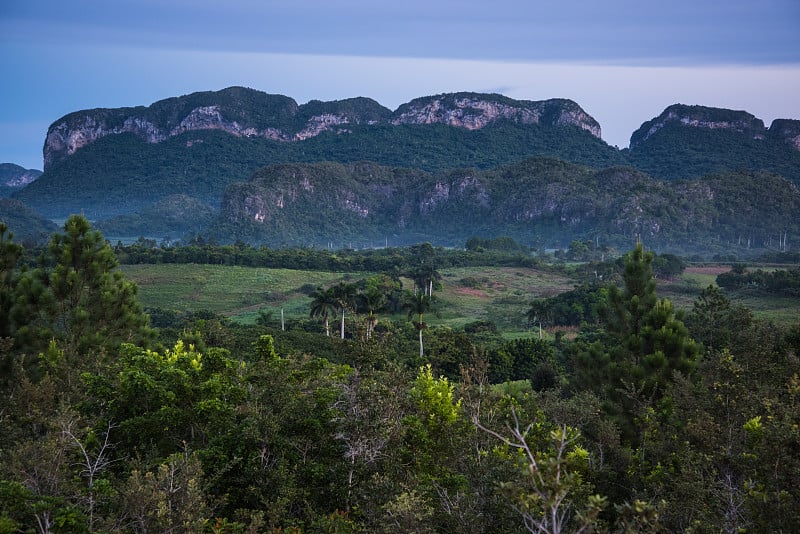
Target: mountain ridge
[[244, 112], [14, 177], [712, 118], [183, 153]]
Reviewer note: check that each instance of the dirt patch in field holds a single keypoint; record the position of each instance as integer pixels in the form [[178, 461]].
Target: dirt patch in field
[[471, 292], [717, 269]]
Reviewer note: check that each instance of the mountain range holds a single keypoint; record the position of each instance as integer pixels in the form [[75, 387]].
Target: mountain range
[[439, 168]]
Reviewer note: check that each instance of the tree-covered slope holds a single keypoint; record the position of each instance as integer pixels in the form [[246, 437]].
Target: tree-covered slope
[[27, 225], [542, 202], [14, 177], [123, 174], [690, 141], [174, 216]]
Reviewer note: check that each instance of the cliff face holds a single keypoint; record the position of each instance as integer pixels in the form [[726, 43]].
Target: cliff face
[[700, 117], [786, 130], [13, 177], [474, 111], [238, 111], [248, 113], [538, 200]]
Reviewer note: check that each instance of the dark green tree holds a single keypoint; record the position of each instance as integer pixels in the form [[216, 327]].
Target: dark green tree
[[10, 254], [91, 304], [643, 344], [717, 323], [323, 304]]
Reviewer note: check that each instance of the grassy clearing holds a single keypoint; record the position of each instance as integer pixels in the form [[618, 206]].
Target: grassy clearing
[[237, 292], [684, 290], [498, 294], [780, 310]]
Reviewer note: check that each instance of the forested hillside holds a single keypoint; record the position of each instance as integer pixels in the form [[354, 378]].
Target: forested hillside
[[442, 168], [646, 419], [132, 174], [543, 203]]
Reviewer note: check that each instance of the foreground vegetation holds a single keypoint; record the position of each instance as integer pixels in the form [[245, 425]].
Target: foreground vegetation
[[645, 419]]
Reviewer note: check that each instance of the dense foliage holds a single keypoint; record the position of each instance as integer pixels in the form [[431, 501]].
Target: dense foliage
[[686, 141], [121, 173], [642, 423], [540, 202], [391, 259], [29, 226], [779, 281]]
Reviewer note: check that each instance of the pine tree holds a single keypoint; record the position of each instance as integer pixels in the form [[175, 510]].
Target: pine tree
[[78, 302], [10, 254], [644, 343]]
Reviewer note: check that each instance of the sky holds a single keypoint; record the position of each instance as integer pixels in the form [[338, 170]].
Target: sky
[[622, 61]]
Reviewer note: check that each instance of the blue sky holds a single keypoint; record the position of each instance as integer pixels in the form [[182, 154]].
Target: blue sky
[[623, 61]]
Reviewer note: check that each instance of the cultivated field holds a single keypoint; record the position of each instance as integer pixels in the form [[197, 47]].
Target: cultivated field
[[498, 294]]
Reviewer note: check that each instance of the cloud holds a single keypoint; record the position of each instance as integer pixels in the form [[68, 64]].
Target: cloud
[[622, 31], [623, 61]]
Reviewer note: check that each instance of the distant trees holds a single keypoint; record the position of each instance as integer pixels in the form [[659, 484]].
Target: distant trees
[[779, 282], [571, 308], [503, 244], [370, 296]]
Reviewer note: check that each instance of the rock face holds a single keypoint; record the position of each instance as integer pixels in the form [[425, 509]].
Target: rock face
[[474, 111], [787, 130], [248, 113], [538, 200], [700, 117], [13, 177]]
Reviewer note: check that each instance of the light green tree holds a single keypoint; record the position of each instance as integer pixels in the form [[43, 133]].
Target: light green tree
[[552, 467]]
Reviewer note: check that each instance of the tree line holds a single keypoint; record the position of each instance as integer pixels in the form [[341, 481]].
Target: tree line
[[647, 420]]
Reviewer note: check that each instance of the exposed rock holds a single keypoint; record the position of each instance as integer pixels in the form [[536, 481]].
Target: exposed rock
[[320, 123], [14, 177], [787, 130], [474, 111], [248, 113], [701, 117]]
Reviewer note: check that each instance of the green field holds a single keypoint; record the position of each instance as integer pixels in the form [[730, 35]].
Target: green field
[[236, 292], [468, 294], [498, 294]]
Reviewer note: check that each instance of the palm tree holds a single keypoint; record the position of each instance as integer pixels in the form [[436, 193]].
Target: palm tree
[[372, 299], [417, 304], [345, 295], [424, 277], [323, 303]]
